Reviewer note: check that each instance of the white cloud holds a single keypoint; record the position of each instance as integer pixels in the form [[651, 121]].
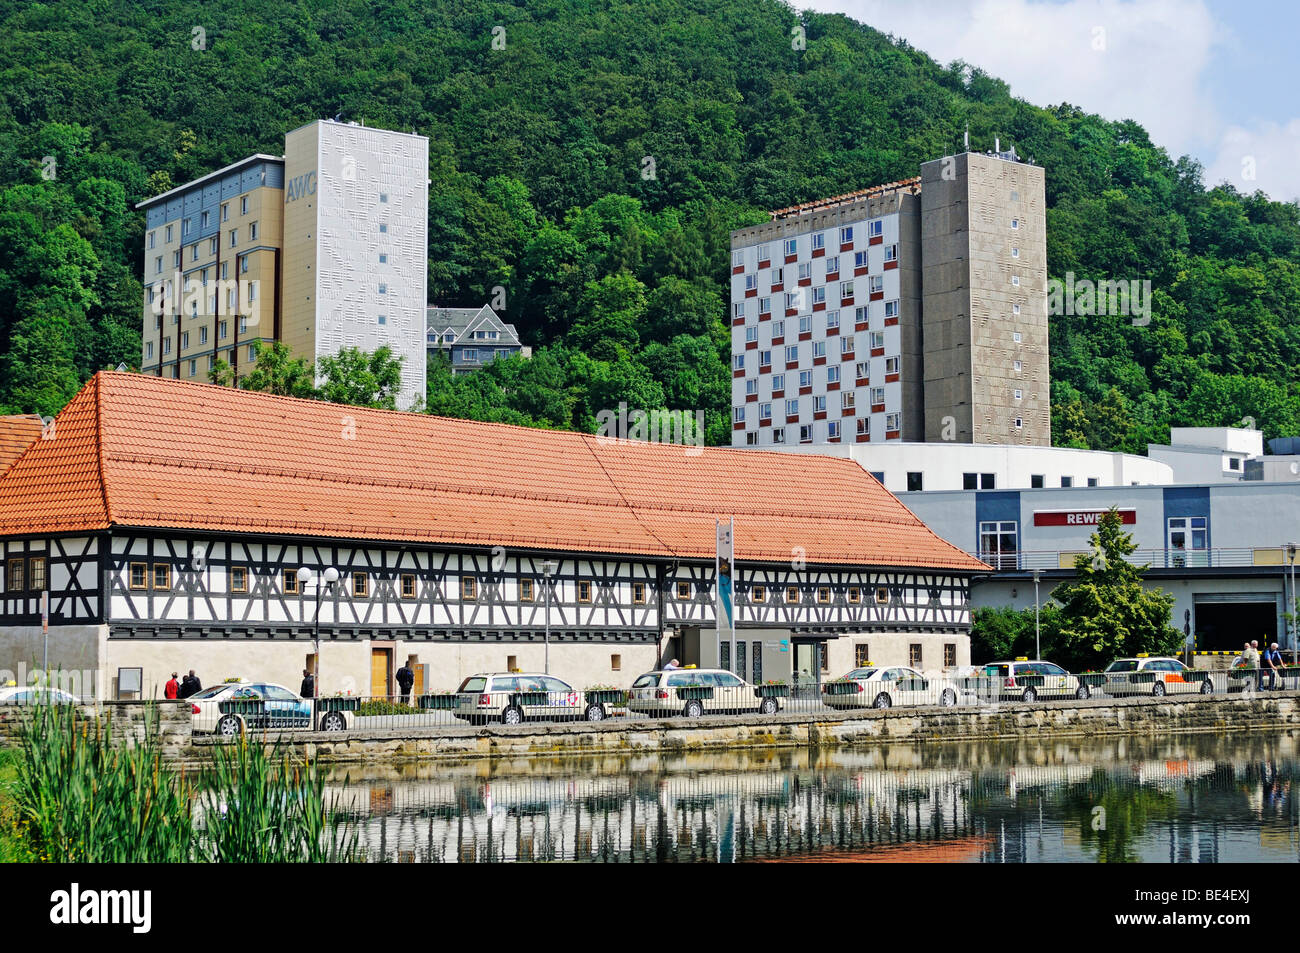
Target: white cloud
[[1124, 59], [1266, 156]]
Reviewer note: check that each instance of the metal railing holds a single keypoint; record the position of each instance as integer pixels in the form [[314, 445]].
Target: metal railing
[[1156, 558], [232, 717]]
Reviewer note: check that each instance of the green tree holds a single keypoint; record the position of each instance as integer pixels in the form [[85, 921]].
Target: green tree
[[1105, 610], [277, 371], [362, 379]]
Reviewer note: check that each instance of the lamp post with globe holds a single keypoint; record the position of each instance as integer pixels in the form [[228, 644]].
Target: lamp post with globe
[[329, 576]]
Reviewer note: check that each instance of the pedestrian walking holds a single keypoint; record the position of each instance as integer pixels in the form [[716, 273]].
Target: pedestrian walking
[[1273, 662], [308, 689], [405, 679], [173, 688]]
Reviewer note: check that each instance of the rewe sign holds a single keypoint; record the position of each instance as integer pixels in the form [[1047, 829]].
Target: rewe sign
[[1079, 517]]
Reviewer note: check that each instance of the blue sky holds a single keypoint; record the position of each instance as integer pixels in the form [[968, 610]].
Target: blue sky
[[1213, 79]]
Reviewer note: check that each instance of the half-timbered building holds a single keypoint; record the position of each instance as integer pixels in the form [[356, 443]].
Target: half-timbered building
[[166, 523]]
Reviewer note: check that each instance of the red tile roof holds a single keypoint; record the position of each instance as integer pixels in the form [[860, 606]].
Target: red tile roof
[[134, 450], [17, 433]]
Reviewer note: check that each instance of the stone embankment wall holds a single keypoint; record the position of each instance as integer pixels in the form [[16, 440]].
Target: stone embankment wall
[[129, 722], [1016, 721]]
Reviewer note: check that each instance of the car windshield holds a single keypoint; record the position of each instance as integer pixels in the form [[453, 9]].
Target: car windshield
[[1123, 665], [861, 673], [211, 692], [475, 683]]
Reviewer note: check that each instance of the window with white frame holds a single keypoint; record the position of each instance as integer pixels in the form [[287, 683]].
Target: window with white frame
[[738, 362], [764, 358], [778, 435], [877, 284], [791, 246], [832, 320], [792, 299], [864, 426], [805, 433], [1015, 337], [833, 374], [764, 305], [877, 339], [891, 253], [859, 259], [805, 324], [762, 253], [892, 422], [1015, 281], [891, 309], [778, 275], [848, 399], [738, 258], [751, 282], [805, 270], [846, 234], [846, 289], [875, 228], [792, 354], [792, 408], [1016, 366], [1015, 252], [1015, 223], [778, 382], [833, 429], [819, 348], [819, 296], [778, 329], [832, 264], [818, 240], [738, 309], [751, 386], [764, 411], [737, 415], [751, 333], [862, 369], [1018, 393], [819, 403], [877, 395], [891, 365], [805, 378], [846, 344]]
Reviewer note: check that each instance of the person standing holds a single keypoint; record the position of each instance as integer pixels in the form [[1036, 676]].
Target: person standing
[[405, 679], [173, 688], [672, 665], [190, 685], [1273, 662], [1250, 660], [308, 689]]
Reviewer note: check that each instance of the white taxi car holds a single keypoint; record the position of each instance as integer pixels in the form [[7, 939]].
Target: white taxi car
[[249, 704], [695, 691], [1154, 676], [1031, 679], [885, 687], [514, 697]]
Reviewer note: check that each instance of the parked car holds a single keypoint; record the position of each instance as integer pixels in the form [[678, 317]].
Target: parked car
[[697, 691], [1030, 679], [514, 697], [36, 695], [256, 705], [887, 686], [1154, 676]]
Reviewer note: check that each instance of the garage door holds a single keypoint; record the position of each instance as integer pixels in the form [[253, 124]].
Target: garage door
[[1223, 625]]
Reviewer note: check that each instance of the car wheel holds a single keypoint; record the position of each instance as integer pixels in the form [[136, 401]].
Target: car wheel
[[693, 709], [948, 698], [1083, 692], [1157, 689], [512, 716], [229, 726], [333, 721], [1028, 695], [1207, 687], [596, 712], [768, 707], [882, 701]]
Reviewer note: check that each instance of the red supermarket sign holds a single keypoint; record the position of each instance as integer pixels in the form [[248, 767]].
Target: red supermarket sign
[[1079, 517]]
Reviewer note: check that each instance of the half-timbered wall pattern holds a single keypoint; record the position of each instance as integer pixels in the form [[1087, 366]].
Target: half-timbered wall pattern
[[176, 586]]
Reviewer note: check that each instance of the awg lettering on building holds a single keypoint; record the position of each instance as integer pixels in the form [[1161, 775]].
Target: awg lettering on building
[[169, 519]]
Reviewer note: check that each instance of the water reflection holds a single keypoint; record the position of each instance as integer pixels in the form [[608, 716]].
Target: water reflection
[[1189, 799]]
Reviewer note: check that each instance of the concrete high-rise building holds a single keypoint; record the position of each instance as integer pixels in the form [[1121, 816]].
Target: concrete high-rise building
[[323, 248], [911, 311]]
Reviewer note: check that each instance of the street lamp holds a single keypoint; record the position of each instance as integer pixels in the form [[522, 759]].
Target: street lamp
[[1038, 649], [1291, 607], [330, 576], [548, 570]]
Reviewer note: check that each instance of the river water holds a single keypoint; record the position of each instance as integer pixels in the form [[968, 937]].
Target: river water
[[1188, 798]]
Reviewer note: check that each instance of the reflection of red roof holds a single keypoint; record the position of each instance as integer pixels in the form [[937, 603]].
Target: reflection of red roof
[[17, 433], [961, 850], [136, 450]]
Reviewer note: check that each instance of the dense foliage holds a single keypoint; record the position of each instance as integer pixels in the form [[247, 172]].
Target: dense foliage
[[588, 160]]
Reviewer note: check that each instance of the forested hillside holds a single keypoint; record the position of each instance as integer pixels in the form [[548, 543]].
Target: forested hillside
[[593, 167]]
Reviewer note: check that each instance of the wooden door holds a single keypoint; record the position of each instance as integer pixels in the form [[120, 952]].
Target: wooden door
[[418, 688], [381, 672]]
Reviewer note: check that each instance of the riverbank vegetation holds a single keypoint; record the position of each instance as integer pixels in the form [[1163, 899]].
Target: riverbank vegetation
[[78, 795]]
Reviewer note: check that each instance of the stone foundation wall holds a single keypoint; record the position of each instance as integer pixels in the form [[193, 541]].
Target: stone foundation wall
[[130, 722]]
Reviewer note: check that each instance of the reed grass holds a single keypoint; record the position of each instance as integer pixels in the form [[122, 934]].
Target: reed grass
[[80, 797]]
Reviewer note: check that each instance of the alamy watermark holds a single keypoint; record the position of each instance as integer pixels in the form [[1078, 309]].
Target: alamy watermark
[[680, 427], [1087, 297], [220, 297], [83, 683]]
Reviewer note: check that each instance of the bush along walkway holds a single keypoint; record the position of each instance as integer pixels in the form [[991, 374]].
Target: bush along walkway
[[76, 796]]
